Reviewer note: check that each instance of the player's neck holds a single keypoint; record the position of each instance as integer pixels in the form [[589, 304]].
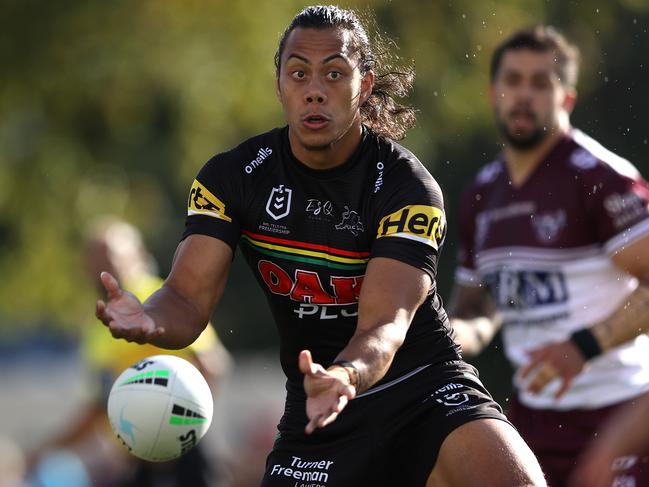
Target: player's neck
[[336, 154], [521, 163]]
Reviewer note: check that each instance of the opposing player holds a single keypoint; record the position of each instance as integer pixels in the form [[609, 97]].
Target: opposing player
[[554, 244], [342, 228]]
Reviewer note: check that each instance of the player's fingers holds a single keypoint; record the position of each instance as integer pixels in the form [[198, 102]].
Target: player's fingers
[[542, 377], [340, 404], [155, 333], [326, 420], [565, 385], [312, 424], [306, 363], [111, 285], [100, 312], [348, 391], [536, 358]]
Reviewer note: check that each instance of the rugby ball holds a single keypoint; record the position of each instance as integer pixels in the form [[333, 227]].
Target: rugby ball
[[160, 408]]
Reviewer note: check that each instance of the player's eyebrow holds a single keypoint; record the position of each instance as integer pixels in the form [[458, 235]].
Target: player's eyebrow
[[324, 61]]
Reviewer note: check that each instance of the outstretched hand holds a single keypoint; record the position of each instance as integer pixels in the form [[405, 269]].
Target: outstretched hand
[[124, 315], [327, 391], [559, 360]]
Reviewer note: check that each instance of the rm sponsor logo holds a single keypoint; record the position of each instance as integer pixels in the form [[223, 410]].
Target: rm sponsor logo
[[422, 223], [525, 289], [203, 202]]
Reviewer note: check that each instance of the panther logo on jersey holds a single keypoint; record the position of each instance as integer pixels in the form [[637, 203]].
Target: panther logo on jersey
[[351, 221]]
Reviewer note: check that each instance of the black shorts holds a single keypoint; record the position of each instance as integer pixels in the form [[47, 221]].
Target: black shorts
[[385, 437]]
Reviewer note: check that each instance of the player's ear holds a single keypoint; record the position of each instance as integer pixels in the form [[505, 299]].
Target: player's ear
[[367, 84], [278, 93], [569, 99], [491, 94]]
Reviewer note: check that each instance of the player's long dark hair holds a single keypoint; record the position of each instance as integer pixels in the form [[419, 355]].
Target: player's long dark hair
[[381, 112]]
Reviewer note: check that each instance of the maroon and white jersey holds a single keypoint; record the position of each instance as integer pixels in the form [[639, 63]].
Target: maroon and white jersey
[[543, 251]]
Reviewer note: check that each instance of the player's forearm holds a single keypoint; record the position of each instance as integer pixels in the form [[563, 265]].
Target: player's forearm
[[182, 320], [626, 323], [371, 352], [474, 334], [628, 431]]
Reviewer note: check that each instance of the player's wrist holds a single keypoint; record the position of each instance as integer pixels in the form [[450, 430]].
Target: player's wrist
[[586, 342], [350, 369]]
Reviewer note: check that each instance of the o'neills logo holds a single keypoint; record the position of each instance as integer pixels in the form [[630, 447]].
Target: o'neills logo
[[262, 155], [202, 202], [424, 224]]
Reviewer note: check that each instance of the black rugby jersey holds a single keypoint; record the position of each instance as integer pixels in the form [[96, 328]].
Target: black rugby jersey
[[308, 234]]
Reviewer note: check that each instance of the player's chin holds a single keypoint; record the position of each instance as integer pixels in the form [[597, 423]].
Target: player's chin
[[316, 142]]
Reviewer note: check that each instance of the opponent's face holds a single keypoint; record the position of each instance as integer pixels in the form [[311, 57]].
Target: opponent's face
[[321, 88], [529, 99]]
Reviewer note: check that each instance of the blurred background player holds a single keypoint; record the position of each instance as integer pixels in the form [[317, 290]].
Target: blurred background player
[[116, 246], [554, 239]]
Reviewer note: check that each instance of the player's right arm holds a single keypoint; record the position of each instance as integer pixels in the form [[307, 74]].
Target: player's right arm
[[473, 317], [175, 315]]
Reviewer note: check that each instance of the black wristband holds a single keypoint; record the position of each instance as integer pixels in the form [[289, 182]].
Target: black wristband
[[586, 343], [344, 363]]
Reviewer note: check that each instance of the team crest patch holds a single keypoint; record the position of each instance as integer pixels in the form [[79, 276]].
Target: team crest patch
[[548, 226], [279, 202]]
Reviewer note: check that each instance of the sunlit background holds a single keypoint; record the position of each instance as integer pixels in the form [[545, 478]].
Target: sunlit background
[[113, 107]]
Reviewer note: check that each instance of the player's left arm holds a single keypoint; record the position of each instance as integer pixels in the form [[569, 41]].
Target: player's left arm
[[566, 359], [391, 293]]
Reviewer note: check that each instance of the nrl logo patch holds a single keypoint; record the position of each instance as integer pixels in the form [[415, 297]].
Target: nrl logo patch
[[279, 202]]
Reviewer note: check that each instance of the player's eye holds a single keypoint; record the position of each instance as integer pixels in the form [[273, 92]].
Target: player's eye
[[298, 74], [512, 80], [541, 83], [334, 75]]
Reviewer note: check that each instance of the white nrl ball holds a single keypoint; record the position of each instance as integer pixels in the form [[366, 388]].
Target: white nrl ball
[[160, 407]]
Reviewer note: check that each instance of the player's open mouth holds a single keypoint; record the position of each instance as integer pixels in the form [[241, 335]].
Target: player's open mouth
[[315, 122]]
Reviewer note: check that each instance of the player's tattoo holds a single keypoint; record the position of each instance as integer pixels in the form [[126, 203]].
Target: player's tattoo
[[627, 322]]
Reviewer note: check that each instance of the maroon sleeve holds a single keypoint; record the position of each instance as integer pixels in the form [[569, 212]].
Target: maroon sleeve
[[617, 201]]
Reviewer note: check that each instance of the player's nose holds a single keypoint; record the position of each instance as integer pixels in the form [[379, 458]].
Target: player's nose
[[315, 92]]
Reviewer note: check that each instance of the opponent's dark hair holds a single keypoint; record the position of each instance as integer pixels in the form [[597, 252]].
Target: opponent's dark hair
[[542, 38], [380, 112]]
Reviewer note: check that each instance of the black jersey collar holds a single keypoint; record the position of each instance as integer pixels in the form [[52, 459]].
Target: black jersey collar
[[349, 164]]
